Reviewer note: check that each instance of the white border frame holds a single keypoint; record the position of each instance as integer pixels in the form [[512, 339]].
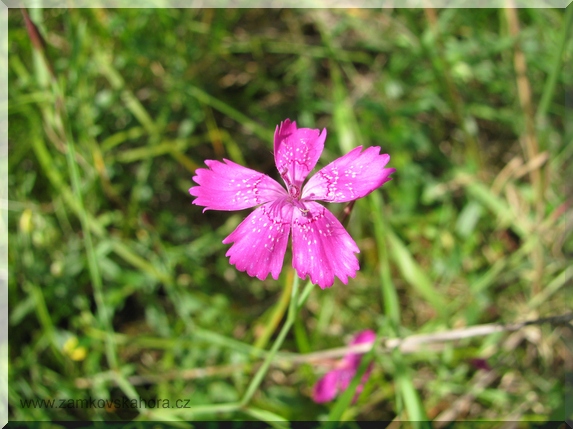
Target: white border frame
[[6, 4]]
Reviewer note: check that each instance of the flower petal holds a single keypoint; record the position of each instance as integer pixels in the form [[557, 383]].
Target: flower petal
[[367, 336], [321, 246], [230, 186], [349, 177], [352, 360], [336, 382], [326, 388], [297, 151], [347, 373], [260, 241]]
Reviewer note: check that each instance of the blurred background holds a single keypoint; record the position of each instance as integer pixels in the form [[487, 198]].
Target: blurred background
[[120, 287]]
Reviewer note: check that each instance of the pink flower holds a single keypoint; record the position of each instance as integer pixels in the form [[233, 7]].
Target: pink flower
[[336, 381], [321, 246]]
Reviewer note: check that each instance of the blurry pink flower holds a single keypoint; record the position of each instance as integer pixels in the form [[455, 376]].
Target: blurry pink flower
[[336, 381], [480, 363], [322, 248]]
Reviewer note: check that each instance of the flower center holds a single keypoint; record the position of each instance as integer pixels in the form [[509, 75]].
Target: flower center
[[293, 191]]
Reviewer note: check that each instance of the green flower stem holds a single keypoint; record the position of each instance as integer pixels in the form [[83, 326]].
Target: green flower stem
[[273, 321], [294, 307], [304, 295]]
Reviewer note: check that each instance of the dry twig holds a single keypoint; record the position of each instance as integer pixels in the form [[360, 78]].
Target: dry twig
[[410, 344]]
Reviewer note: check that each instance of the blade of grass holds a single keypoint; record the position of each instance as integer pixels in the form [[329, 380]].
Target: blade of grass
[[489, 277], [213, 132], [344, 121], [302, 49], [301, 336], [267, 416], [124, 251], [231, 112], [199, 335], [120, 137], [164, 148], [45, 319], [495, 204], [233, 148], [551, 288], [390, 301], [414, 275], [118, 84], [413, 405], [556, 68], [184, 160]]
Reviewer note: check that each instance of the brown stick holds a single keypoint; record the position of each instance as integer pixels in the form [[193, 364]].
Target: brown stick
[[410, 344], [531, 145]]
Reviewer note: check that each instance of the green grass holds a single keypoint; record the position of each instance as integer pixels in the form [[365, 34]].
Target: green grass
[[119, 287]]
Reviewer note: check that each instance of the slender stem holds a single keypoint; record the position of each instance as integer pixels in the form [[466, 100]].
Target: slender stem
[[294, 306], [278, 312], [304, 295]]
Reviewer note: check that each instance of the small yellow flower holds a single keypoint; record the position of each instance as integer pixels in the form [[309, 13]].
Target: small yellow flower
[[26, 221], [75, 352]]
